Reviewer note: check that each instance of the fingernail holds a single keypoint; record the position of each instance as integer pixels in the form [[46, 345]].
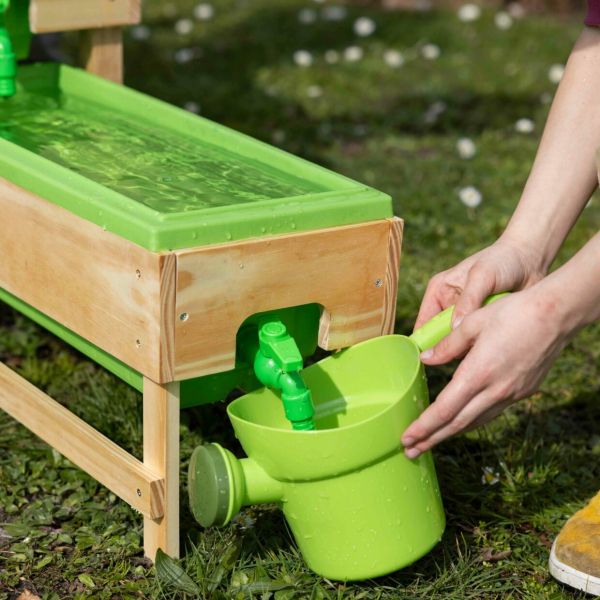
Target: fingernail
[[426, 354], [412, 453], [457, 321], [408, 441]]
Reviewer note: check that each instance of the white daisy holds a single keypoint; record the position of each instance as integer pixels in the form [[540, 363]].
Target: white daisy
[[278, 136], [431, 51], [503, 20], [303, 58], [556, 72], [466, 148], [490, 476], [332, 56], [364, 26], [353, 53], [314, 91], [524, 126], [334, 12], [192, 107], [470, 196], [307, 16], [184, 55], [393, 58], [204, 11], [184, 26], [423, 5], [140, 32], [516, 10], [468, 13], [434, 111]]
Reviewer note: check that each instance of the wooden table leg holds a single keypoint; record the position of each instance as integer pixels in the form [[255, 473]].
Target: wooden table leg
[[101, 52], [161, 454]]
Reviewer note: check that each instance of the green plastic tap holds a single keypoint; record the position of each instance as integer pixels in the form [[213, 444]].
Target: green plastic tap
[[277, 364], [8, 59]]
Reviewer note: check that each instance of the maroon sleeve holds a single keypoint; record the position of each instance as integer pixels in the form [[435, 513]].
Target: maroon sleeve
[[593, 13]]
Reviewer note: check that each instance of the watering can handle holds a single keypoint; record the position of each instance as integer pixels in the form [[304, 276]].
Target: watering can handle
[[428, 335]]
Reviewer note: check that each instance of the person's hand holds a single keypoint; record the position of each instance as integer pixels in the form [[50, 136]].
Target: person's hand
[[504, 266], [508, 347]]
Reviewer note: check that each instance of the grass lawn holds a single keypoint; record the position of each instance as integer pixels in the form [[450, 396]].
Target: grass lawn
[[507, 488]]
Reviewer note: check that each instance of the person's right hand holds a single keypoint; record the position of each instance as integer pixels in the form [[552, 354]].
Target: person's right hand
[[502, 267]]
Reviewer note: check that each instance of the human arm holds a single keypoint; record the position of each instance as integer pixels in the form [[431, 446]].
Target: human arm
[[501, 364], [561, 181]]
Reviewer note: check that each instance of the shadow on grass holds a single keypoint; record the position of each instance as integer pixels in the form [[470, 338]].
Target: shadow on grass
[[226, 78]]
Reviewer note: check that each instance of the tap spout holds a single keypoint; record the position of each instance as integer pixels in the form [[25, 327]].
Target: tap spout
[[8, 59], [277, 364]]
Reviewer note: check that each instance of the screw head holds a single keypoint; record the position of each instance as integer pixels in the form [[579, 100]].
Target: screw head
[[378, 283], [184, 316], [139, 492]]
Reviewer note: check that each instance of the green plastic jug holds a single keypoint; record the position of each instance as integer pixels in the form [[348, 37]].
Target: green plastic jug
[[357, 507]]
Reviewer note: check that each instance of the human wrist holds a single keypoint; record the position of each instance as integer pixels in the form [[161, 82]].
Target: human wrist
[[558, 310], [535, 261], [567, 297]]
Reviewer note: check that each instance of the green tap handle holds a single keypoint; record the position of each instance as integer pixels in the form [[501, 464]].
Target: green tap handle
[[276, 343], [428, 335]]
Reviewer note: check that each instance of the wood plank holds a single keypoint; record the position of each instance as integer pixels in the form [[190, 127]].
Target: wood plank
[[101, 286], [67, 15], [101, 53], [168, 275], [392, 274], [344, 269], [161, 454], [98, 456]]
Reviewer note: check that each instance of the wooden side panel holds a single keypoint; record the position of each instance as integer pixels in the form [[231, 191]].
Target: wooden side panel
[[102, 53], [102, 287], [65, 15], [161, 454], [344, 269], [106, 462]]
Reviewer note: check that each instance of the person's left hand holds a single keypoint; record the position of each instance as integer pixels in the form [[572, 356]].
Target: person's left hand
[[508, 347]]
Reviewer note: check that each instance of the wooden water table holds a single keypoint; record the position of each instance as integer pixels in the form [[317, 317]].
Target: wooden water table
[[147, 238]]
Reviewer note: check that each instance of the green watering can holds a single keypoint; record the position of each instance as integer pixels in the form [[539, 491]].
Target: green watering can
[[358, 508]]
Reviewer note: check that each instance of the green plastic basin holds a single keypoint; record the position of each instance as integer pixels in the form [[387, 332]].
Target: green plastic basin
[[159, 175]]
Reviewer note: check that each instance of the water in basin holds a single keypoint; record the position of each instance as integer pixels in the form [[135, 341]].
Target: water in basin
[[151, 165]]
